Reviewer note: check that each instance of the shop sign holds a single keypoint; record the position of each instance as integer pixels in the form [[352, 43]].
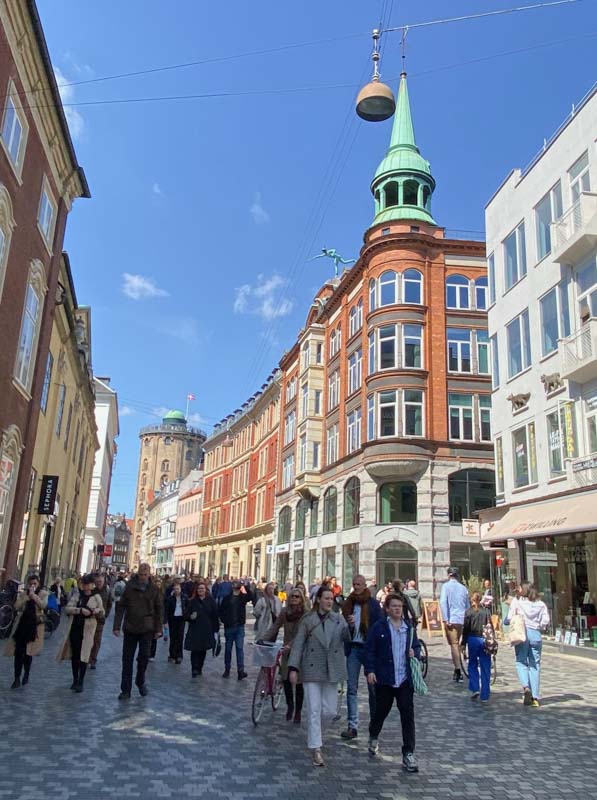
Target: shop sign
[[47, 494], [470, 527], [107, 550], [283, 548], [569, 429], [298, 545], [269, 549], [585, 463]]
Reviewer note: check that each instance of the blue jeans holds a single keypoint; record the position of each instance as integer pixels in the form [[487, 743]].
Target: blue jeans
[[234, 636], [478, 659], [354, 662], [528, 662]]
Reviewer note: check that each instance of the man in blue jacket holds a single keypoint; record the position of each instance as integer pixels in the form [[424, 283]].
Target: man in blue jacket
[[387, 665], [361, 611]]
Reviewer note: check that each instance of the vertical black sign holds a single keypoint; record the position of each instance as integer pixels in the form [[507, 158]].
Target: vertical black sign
[[47, 494]]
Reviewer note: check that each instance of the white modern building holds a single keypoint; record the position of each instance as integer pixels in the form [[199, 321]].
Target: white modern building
[[106, 417], [542, 246]]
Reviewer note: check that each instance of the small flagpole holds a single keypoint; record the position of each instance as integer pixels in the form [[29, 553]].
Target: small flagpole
[[186, 416]]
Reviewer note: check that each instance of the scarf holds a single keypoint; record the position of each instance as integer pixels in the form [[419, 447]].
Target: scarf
[[359, 600]]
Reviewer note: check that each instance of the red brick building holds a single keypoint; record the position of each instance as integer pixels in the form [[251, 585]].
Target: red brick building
[[239, 486], [39, 180]]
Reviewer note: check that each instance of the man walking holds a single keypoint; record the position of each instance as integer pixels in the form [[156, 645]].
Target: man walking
[[233, 613], [103, 590], [141, 608], [454, 601], [361, 611]]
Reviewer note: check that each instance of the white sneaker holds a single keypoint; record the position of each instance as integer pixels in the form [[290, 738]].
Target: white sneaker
[[373, 746], [409, 763]]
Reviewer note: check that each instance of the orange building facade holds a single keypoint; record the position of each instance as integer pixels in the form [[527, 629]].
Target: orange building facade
[[385, 441], [240, 471]]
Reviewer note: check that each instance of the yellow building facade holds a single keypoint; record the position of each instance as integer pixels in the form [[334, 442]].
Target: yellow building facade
[[65, 445]]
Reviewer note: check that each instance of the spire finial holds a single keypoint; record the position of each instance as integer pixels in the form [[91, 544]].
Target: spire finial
[[403, 48]]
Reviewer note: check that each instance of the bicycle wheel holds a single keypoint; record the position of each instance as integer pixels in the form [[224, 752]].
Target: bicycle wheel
[[260, 694], [6, 617], [464, 662], [493, 669], [424, 659], [277, 690]]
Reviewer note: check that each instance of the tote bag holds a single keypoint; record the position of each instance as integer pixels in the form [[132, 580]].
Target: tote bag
[[419, 684], [518, 631]]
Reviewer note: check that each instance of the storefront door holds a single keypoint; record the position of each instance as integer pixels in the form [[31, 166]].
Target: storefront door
[[396, 560]]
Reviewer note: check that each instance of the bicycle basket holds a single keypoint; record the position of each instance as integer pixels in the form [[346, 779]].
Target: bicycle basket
[[266, 655]]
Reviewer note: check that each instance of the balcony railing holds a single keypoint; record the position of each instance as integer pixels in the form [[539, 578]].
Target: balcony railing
[[575, 232], [579, 353]]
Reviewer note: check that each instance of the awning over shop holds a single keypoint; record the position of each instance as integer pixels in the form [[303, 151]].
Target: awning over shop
[[545, 518]]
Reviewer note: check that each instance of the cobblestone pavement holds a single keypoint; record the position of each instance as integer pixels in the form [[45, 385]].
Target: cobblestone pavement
[[185, 739]]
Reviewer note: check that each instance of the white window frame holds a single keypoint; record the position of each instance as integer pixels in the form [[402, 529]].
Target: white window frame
[[395, 404], [7, 224], [406, 279], [333, 389], [531, 450], [482, 289], [459, 354], [291, 389], [483, 344], [378, 340], [25, 364], [411, 337], [305, 355], [355, 371], [461, 409], [317, 402], [16, 164], [46, 214], [388, 282], [355, 319], [304, 400], [491, 278], [303, 452], [353, 430], [315, 463], [484, 410], [554, 198], [419, 404], [332, 444], [525, 343], [560, 291], [335, 341], [519, 235], [289, 427], [495, 361], [288, 471], [463, 290], [579, 178]]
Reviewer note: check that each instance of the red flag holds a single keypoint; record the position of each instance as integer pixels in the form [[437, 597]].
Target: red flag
[[191, 397]]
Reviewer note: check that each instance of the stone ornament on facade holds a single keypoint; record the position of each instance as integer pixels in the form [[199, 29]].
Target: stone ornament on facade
[[519, 401], [552, 382]]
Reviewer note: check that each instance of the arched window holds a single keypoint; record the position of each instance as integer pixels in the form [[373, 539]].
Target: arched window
[[391, 192], [398, 502], [30, 324], [330, 510], [7, 224], [469, 490], [301, 517], [352, 502], [410, 191], [144, 480], [413, 286], [163, 480], [165, 465], [458, 292], [426, 197], [481, 294], [388, 288], [11, 447], [284, 522], [167, 440], [145, 464], [141, 509], [146, 442], [139, 524], [188, 455], [372, 293], [142, 494], [138, 541]]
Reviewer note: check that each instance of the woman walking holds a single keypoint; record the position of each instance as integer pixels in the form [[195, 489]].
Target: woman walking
[[317, 653], [475, 619], [528, 653], [204, 624], [83, 611], [27, 634], [266, 610], [176, 609], [391, 643], [289, 619]]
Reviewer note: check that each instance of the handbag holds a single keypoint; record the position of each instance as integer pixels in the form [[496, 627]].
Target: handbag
[[490, 642], [517, 630], [419, 684]]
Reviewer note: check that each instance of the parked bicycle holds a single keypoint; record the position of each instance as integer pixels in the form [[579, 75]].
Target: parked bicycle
[[269, 684], [464, 664], [7, 607]]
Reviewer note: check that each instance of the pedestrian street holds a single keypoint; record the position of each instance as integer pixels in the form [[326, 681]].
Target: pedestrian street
[[196, 739]]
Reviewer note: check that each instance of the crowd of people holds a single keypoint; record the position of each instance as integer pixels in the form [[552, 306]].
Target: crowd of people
[[328, 638]]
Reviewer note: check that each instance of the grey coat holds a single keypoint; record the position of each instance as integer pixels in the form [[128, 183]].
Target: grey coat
[[318, 650]]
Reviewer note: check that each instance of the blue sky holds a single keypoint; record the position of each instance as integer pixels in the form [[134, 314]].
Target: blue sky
[[193, 251]]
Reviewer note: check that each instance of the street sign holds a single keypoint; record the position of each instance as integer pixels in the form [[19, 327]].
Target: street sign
[[47, 494], [107, 550]]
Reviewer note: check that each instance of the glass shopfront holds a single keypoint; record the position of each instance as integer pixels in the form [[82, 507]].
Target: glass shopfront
[[564, 570]]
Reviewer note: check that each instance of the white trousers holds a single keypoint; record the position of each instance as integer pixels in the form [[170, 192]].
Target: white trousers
[[321, 699]]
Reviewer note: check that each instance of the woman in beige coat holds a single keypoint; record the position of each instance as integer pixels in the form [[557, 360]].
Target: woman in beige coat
[[83, 611], [27, 634]]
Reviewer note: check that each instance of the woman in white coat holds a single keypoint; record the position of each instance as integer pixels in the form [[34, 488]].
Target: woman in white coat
[[83, 611], [318, 653], [266, 611]]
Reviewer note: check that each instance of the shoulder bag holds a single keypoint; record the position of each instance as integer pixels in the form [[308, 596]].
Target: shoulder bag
[[517, 629], [419, 684]]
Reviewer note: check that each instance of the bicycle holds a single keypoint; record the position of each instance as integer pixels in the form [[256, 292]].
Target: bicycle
[[269, 683], [7, 610], [424, 658], [464, 662]]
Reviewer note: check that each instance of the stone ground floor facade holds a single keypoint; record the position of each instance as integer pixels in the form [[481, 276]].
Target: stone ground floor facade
[[400, 519], [239, 554]]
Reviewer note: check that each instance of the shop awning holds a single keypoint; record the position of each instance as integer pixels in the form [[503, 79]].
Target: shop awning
[[545, 518]]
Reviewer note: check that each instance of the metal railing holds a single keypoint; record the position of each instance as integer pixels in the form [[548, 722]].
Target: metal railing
[[579, 348], [572, 221]]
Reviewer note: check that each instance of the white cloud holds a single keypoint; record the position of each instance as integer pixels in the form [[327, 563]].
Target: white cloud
[[138, 287], [126, 411], [83, 70], [76, 123], [157, 189], [196, 419], [264, 299], [258, 212]]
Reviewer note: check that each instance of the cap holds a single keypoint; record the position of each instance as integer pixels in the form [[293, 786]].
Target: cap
[[452, 571]]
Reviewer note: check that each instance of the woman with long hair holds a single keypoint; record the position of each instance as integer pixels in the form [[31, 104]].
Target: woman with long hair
[[27, 634], [528, 653], [289, 619], [83, 611], [475, 619], [204, 624], [317, 654]]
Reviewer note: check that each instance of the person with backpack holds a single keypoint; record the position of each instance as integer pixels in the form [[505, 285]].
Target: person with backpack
[[118, 588], [479, 636]]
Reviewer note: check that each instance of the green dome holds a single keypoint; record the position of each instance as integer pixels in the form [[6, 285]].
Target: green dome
[[174, 418]]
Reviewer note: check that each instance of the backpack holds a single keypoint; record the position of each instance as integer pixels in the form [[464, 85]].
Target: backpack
[[119, 588], [490, 643]]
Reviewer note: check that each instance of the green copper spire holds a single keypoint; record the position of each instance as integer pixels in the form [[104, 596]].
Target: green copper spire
[[403, 183]]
